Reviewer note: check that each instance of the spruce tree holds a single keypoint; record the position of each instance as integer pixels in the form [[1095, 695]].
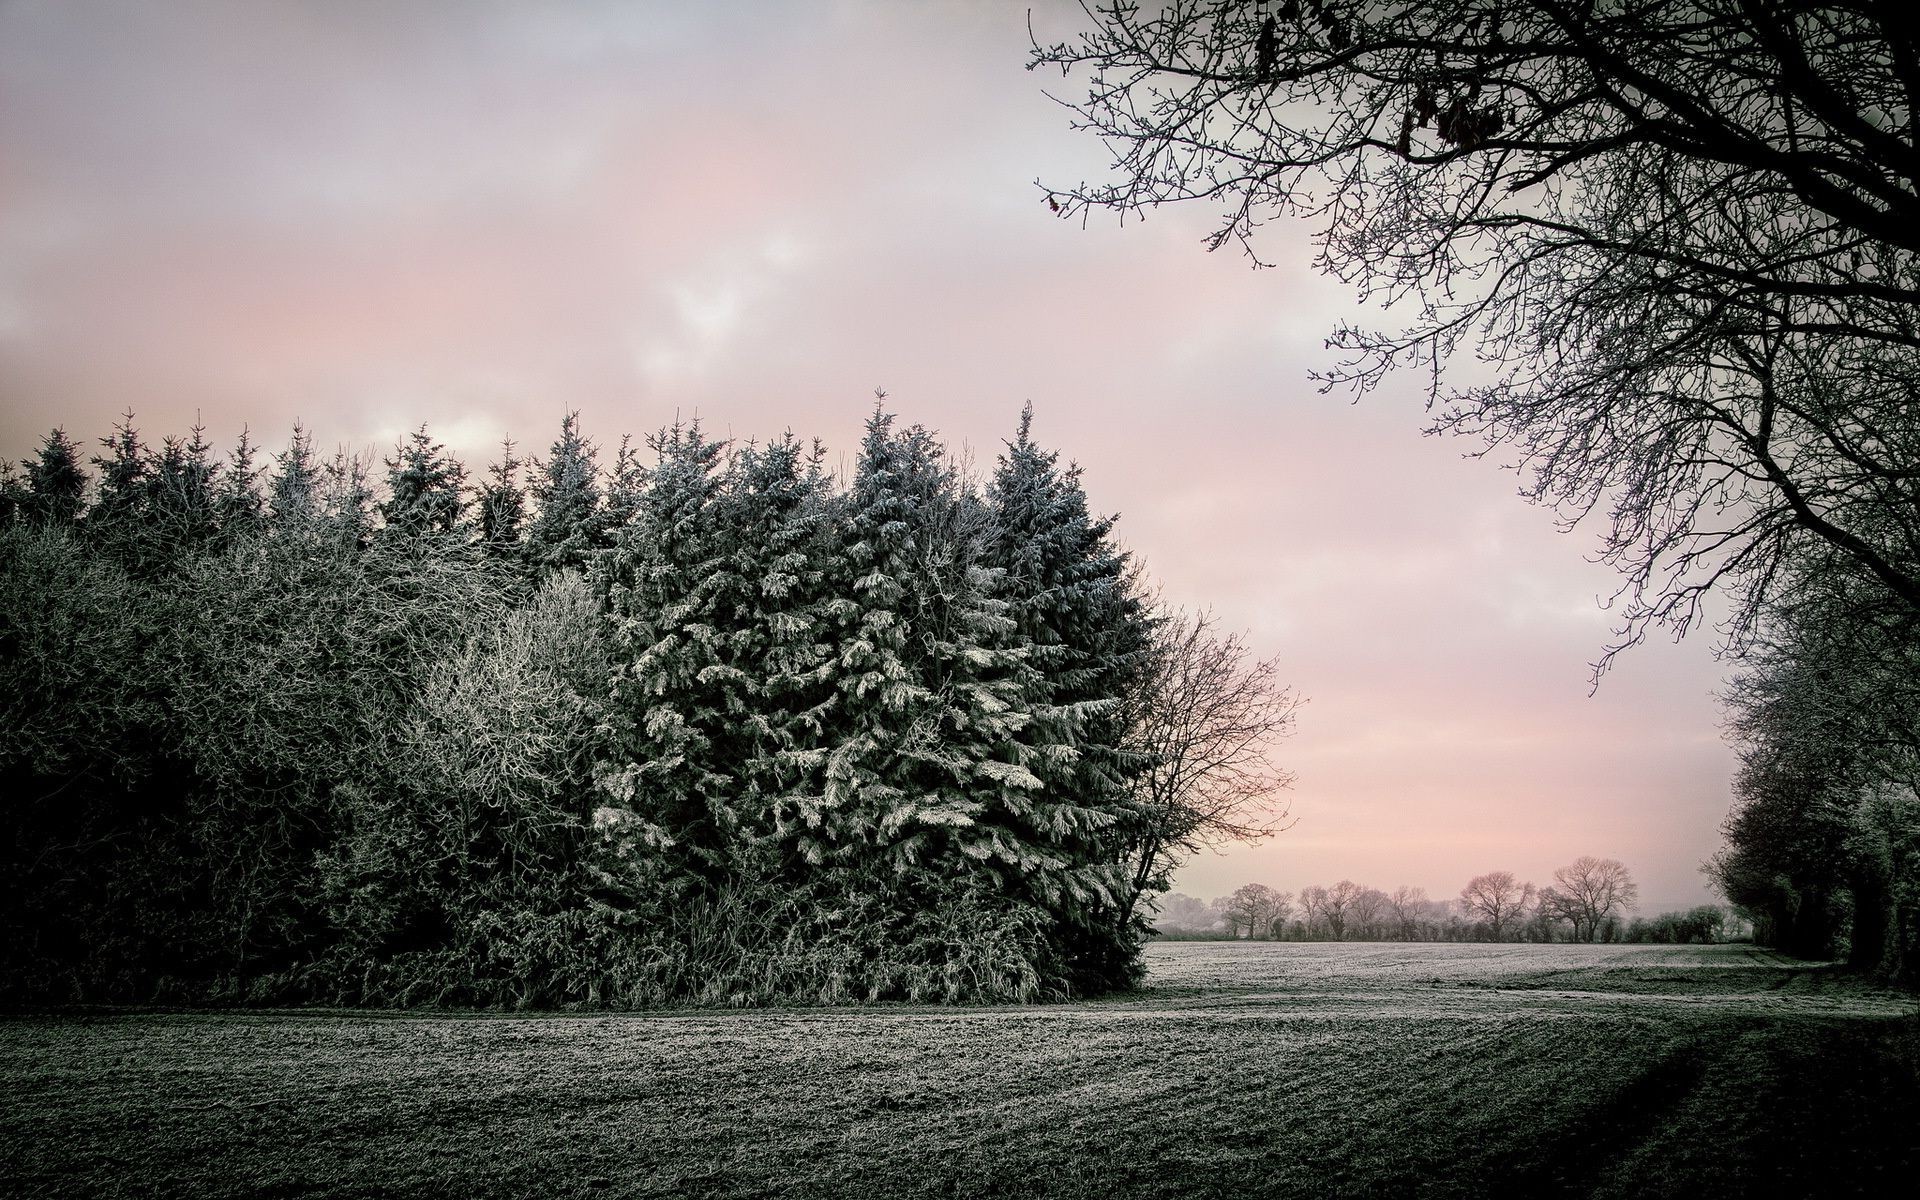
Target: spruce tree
[[1069, 593], [503, 505], [293, 493], [929, 780], [346, 498], [56, 485], [779, 513], [181, 509], [676, 694], [568, 523], [624, 488], [121, 500], [237, 500], [424, 488]]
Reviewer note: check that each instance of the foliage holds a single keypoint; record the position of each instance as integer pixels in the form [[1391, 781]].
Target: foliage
[[749, 738]]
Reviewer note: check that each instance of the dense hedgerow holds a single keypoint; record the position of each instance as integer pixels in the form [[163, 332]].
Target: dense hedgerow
[[722, 730]]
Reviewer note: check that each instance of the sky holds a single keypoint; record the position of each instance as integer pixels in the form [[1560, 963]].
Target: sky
[[366, 215]]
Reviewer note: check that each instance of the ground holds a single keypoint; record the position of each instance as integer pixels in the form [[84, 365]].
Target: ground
[[1242, 1070]]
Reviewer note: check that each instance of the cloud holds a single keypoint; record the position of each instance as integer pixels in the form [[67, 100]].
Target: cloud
[[481, 216]]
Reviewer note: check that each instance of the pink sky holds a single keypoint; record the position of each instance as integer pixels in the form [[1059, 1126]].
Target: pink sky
[[368, 215]]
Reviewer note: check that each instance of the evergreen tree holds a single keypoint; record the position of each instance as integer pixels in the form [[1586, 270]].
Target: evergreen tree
[[624, 490], [13, 494], [931, 773], [568, 525], [346, 498], [293, 493], [56, 484], [503, 505], [779, 513], [181, 508], [672, 683], [237, 500], [1069, 593], [424, 488], [120, 503]]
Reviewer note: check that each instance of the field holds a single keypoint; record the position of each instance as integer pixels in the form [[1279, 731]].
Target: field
[[1243, 1070]]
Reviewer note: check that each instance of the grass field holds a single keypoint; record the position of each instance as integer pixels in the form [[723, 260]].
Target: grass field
[[1243, 1070]]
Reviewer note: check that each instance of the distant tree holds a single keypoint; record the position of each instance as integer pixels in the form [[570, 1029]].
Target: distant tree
[[1593, 891], [1337, 908], [1253, 907], [1408, 905], [1313, 908], [1368, 912], [1498, 899], [1281, 911], [1205, 722], [1704, 924], [1178, 913]]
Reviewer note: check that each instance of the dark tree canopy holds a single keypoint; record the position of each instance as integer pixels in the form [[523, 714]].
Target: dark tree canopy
[[768, 736]]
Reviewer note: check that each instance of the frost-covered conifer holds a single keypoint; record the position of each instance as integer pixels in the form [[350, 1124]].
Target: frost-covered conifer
[[1067, 589], [56, 484], [568, 523], [624, 488], [237, 501], [929, 777], [181, 508], [424, 488], [672, 685], [783, 543], [121, 498], [294, 490], [503, 504]]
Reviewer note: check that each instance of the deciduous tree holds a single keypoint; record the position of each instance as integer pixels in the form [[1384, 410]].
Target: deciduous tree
[[1497, 898], [1678, 244], [1205, 723]]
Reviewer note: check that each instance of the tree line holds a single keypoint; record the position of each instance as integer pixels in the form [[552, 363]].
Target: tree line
[[1588, 901], [1675, 247], [702, 724]]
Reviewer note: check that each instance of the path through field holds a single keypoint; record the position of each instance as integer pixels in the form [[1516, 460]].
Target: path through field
[[1243, 1070]]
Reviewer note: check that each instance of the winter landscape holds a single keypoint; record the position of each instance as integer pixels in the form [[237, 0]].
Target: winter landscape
[[1216, 598]]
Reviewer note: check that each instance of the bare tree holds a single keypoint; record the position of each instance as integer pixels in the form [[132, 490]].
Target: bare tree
[[1282, 909], [1368, 912], [1592, 891], [1205, 722], [1339, 903], [1181, 913], [1408, 905], [1253, 906], [1678, 242], [1313, 907], [1498, 899]]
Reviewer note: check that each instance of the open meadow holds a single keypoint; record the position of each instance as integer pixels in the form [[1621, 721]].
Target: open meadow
[[1264, 1069]]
